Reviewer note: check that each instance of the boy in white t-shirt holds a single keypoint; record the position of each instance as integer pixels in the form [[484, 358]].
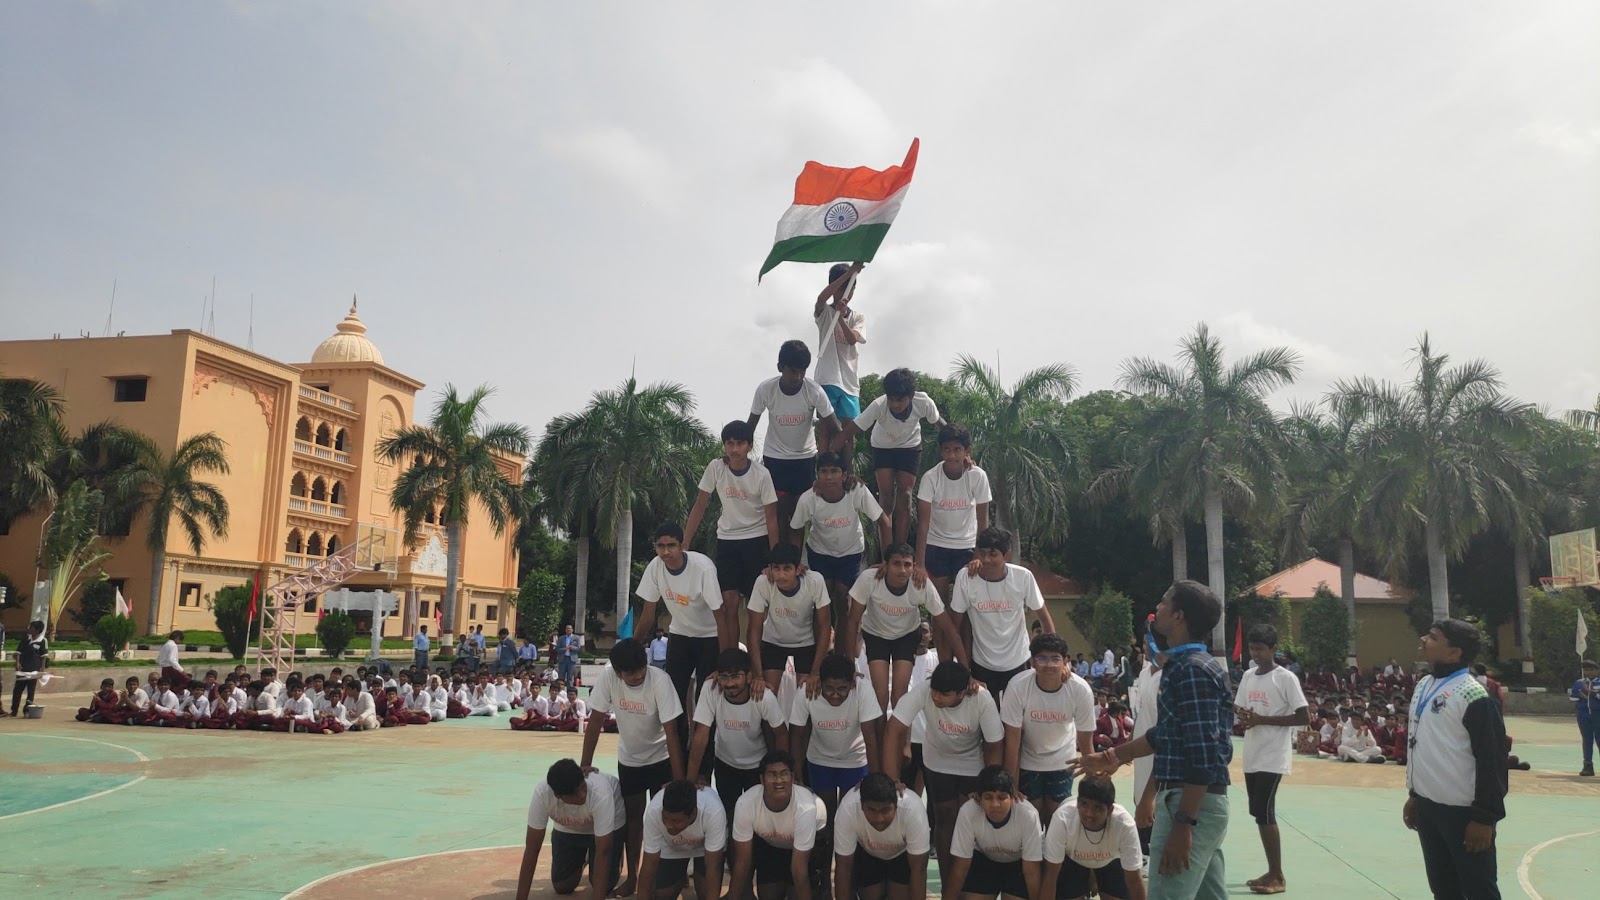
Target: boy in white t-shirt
[[795, 404], [589, 819], [886, 614], [881, 843], [997, 847], [790, 618], [774, 831], [649, 753], [997, 601], [683, 824], [1270, 706], [830, 514], [1092, 834], [895, 420], [952, 507], [702, 624], [747, 525], [741, 728], [836, 732], [1048, 715], [840, 331]]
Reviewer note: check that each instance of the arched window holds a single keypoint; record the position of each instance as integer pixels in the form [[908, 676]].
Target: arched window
[[302, 429], [324, 435], [319, 489], [295, 543], [336, 496], [314, 544], [429, 517], [341, 440], [297, 486], [333, 544]]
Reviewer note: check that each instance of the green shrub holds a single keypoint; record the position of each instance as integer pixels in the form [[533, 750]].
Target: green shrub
[[1325, 634], [14, 597], [230, 606], [336, 631], [99, 600], [113, 632], [1553, 631], [539, 605], [1112, 624]]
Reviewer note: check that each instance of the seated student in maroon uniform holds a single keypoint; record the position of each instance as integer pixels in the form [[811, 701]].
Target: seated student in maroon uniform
[[163, 709], [134, 700], [400, 712], [1399, 741], [1112, 727], [105, 706]]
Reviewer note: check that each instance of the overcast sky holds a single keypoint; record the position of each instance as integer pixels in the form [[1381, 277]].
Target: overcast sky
[[543, 196]]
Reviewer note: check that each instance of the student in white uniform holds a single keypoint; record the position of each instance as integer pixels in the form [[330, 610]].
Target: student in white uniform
[[683, 825], [830, 514], [360, 710], [997, 602], [790, 618], [1271, 707], [1359, 745], [880, 843], [952, 507], [964, 735], [922, 665], [1092, 833], [741, 729], [997, 847], [836, 732], [438, 699], [1048, 715], [775, 827], [589, 823], [1144, 697], [795, 403], [747, 523], [895, 420], [886, 606]]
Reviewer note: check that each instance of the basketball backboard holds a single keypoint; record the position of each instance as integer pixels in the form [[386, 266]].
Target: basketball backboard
[[1572, 555]]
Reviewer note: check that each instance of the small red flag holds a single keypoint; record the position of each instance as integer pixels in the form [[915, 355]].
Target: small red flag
[[1238, 638], [255, 591]]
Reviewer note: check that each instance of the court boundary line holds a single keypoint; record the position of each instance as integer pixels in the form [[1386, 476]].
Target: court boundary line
[[304, 888], [1526, 864], [61, 737]]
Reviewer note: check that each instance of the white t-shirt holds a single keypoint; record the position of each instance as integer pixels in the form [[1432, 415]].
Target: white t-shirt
[[921, 667], [708, 831], [837, 358], [953, 518], [836, 738], [836, 527], [601, 812], [998, 614], [640, 712], [1019, 838], [1065, 837], [790, 434], [691, 595], [953, 744], [890, 615], [792, 828], [790, 620], [1270, 748], [889, 431], [908, 833], [736, 727], [1050, 720], [744, 497]]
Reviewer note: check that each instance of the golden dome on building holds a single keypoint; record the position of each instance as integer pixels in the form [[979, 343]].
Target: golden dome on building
[[350, 344]]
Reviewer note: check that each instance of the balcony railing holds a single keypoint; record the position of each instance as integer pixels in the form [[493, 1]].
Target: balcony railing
[[294, 559], [297, 503], [311, 393]]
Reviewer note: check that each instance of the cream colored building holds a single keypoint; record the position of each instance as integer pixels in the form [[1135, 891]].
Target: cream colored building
[[304, 476]]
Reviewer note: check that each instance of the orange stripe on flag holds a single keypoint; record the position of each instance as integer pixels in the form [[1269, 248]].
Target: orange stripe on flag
[[819, 184]]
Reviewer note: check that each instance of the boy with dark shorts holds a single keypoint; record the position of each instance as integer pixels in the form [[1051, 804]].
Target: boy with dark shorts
[[997, 848], [830, 514], [590, 824], [774, 833], [702, 624], [996, 599], [886, 614], [1270, 706], [880, 843], [1048, 715], [952, 507], [739, 728], [895, 420], [796, 404], [789, 619], [747, 524]]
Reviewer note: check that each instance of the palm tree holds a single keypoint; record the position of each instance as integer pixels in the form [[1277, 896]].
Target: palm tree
[[1216, 432], [1019, 443], [165, 487], [30, 420], [1145, 475], [564, 490], [1565, 459], [1444, 453], [1324, 496], [630, 448], [455, 460]]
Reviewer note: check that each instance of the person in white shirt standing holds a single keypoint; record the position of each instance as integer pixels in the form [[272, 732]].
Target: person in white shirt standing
[[830, 514], [997, 846], [681, 825], [167, 659], [795, 403], [885, 613], [840, 331], [881, 843], [747, 520], [658, 650], [1092, 834], [589, 819], [1145, 697], [952, 507], [1271, 707], [895, 420], [1048, 715], [790, 618], [996, 601], [740, 729]]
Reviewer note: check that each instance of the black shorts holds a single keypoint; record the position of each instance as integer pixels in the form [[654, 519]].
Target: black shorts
[[989, 878], [872, 870], [1074, 880], [690, 660], [943, 788], [942, 562], [773, 656], [671, 872], [740, 563], [732, 782], [791, 476], [902, 648], [1262, 789], [635, 780], [912, 767], [570, 853], [996, 681], [900, 459], [771, 863]]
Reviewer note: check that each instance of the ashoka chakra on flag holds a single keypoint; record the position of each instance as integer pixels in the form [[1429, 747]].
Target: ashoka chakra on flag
[[840, 215]]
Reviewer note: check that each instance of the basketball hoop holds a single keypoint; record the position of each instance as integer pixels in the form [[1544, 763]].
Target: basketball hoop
[[1556, 584]]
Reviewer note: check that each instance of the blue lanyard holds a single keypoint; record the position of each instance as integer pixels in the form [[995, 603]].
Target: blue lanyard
[[1185, 648], [1426, 701]]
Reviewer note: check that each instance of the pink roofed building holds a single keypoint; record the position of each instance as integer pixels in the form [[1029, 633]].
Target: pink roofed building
[[1383, 631]]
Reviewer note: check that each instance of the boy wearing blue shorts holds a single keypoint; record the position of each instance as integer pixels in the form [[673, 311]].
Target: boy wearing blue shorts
[[830, 514], [952, 507], [895, 420], [795, 403], [840, 332], [836, 731]]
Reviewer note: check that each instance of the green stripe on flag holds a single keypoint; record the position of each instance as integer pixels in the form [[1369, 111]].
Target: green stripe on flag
[[859, 244]]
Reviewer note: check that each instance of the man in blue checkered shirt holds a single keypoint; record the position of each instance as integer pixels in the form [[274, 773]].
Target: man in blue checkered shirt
[[1187, 796]]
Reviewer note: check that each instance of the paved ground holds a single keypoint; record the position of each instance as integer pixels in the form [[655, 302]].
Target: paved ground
[[439, 811]]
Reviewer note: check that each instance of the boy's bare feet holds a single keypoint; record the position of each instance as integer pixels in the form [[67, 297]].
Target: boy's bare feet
[[1267, 884]]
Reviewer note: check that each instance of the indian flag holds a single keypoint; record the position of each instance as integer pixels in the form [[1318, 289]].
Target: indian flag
[[840, 215]]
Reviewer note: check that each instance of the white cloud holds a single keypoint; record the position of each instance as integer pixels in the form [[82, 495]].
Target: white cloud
[[617, 158], [1563, 137]]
